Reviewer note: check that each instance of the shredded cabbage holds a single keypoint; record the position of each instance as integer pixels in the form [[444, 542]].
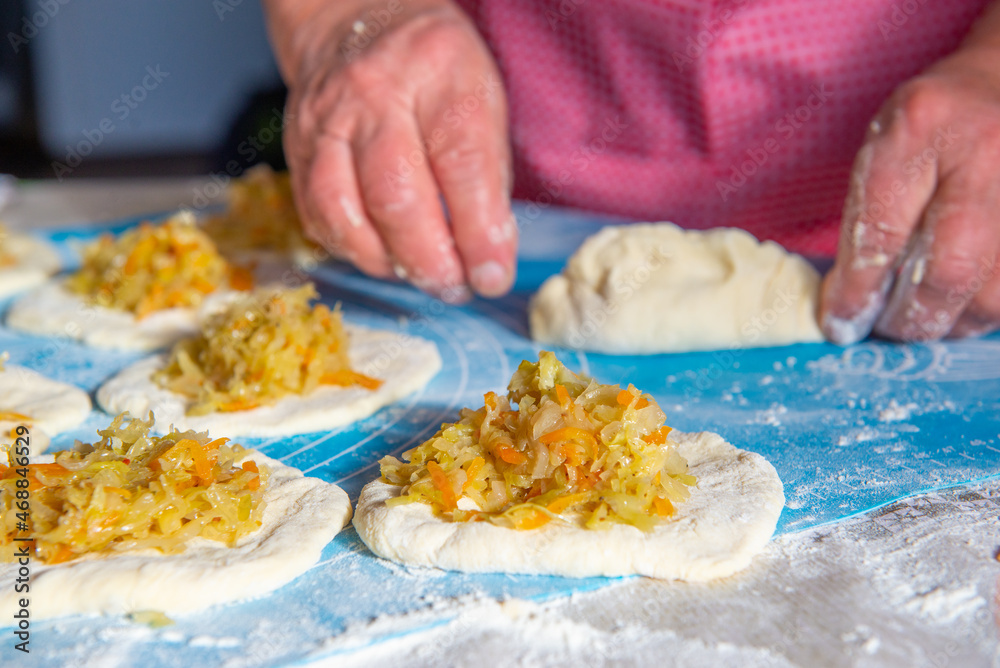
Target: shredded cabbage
[[7, 259], [154, 619], [260, 215], [154, 267], [571, 448], [132, 491], [264, 346]]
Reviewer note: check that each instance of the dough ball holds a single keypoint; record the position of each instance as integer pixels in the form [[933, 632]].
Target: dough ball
[[654, 287]]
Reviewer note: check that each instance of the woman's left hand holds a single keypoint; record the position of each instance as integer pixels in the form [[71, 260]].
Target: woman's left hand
[[920, 240]]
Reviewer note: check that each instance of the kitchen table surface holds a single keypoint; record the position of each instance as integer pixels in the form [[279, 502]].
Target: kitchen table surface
[[885, 553]]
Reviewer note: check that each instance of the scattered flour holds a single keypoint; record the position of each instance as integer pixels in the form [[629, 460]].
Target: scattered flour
[[212, 641], [861, 436], [521, 633], [892, 587], [772, 415], [946, 605], [895, 412]]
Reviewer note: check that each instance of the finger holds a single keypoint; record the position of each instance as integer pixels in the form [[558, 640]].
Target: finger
[[982, 315], [401, 198], [298, 155], [956, 236], [470, 159], [882, 209], [334, 201]]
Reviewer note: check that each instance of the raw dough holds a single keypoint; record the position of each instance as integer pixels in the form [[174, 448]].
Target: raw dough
[[52, 406], [329, 406], [37, 260], [301, 517], [650, 288], [52, 310], [728, 519]]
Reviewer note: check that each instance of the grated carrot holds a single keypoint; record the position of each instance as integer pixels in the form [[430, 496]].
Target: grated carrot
[[569, 434], [346, 377], [510, 455], [443, 485], [663, 507], [563, 396], [563, 502], [659, 436], [251, 466], [475, 466], [537, 519]]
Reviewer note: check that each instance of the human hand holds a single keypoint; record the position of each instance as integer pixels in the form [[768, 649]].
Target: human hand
[[921, 229], [392, 108]]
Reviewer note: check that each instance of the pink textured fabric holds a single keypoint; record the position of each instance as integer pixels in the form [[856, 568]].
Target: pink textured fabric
[[742, 113]]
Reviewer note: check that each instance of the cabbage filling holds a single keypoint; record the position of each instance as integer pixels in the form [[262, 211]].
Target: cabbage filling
[[7, 259], [264, 346], [260, 215], [558, 446], [154, 267], [132, 491]]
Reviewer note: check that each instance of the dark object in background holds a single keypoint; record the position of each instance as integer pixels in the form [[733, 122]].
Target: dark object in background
[[19, 147], [125, 88], [255, 135]]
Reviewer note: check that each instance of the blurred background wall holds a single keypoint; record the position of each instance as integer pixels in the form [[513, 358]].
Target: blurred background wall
[[127, 87]]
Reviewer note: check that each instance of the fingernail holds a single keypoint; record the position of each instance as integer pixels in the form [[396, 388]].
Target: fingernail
[[352, 214], [845, 331], [490, 279], [456, 294], [399, 270]]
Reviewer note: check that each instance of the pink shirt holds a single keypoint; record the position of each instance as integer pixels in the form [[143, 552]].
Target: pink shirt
[[740, 113]]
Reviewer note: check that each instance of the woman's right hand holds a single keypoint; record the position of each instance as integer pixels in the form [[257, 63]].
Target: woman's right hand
[[395, 107]]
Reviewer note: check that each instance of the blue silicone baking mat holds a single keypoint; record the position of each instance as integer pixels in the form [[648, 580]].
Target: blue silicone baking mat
[[848, 429]]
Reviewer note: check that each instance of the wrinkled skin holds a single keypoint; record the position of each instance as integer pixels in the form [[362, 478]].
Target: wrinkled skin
[[924, 199], [382, 129], [384, 126]]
